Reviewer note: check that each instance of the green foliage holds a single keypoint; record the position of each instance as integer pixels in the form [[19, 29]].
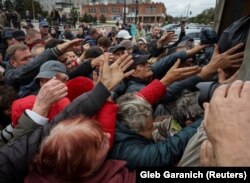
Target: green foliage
[[169, 19], [37, 7], [205, 17], [102, 19], [87, 18], [19, 7], [74, 14], [8, 5]]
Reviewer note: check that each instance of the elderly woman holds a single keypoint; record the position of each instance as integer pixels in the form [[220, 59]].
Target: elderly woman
[[75, 151]]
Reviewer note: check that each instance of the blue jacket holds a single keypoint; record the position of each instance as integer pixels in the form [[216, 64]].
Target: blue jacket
[[141, 152]]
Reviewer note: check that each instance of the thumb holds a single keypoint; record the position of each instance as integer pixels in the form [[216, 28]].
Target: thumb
[[177, 64], [95, 77], [221, 75], [216, 49]]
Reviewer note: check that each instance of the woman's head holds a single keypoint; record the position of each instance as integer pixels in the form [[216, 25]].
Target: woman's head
[[136, 114], [75, 149]]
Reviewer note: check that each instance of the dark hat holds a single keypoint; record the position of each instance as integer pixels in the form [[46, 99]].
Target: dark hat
[[43, 24], [19, 34], [68, 35], [208, 36], [28, 25], [116, 48], [138, 59], [187, 38], [50, 68], [8, 34], [127, 44]]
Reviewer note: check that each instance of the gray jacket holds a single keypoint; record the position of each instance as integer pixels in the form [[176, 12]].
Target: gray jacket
[[25, 74]]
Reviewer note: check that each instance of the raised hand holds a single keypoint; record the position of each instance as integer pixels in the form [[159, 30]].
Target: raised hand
[[51, 92], [176, 74], [166, 38], [111, 75], [67, 45]]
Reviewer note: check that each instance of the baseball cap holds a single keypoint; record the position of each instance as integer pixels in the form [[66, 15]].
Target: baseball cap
[[142, 40], [116, 48], [138, 59], [8, 34], [50, 68], [123, 34], [43, 24], [19, 34], [127, 44]]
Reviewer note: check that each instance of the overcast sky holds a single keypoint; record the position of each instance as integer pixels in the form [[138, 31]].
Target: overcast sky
[[180, 7]]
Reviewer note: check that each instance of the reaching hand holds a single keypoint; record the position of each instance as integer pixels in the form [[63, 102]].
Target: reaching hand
[[66, 45], [51, 92], [223, 79], [226, 60], [207, 157], [166, 38], [227, 124], [111, 75], [176, 74]]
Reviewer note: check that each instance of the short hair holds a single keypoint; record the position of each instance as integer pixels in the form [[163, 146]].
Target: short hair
[[35, 48], [133, 111], [53, 43], [69, 152], [93, 52], [92, 31], [32, 32], [104, 42], [7, 96], [10, 53]]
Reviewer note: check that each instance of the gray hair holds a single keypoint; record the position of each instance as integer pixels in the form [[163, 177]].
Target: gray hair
[[10, 53], [133, 111]]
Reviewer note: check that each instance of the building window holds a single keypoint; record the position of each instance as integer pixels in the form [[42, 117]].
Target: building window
[[115, 10], [151, 9], [91, 10], [103, 10]]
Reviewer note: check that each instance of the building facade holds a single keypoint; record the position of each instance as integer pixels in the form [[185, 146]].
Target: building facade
[[150, 13]]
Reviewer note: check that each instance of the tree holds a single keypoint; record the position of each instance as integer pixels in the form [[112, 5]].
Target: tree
[[205, 17], [102, 19], [169, 19], [19, 7], [37, 7], [8, 5]]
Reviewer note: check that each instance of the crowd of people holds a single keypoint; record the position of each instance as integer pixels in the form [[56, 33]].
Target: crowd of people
[[92, 107]]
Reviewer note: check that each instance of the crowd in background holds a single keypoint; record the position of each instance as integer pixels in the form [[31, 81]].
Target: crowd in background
[[93, 105]]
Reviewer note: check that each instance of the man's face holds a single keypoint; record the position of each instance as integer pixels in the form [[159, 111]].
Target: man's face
[[156, 31], [21, 57], [10, 41], [44, 30], [143, 71], [143, 47], [118, 54]]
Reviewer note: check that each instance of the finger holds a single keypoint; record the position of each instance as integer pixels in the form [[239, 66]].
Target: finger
[[101, 69], [206, 111], [95, 77], [121, 59], [124, 68], [245, 92], [216, 49], [186, 69], [129, 73], [236, 56], [203, 154], [221, 75], [126, 61], [235, 48], [177, 64], [220, 92], [210, 154], [235, 89]]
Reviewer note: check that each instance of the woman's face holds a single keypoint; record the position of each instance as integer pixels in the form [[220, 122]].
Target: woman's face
[[148, 129]]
